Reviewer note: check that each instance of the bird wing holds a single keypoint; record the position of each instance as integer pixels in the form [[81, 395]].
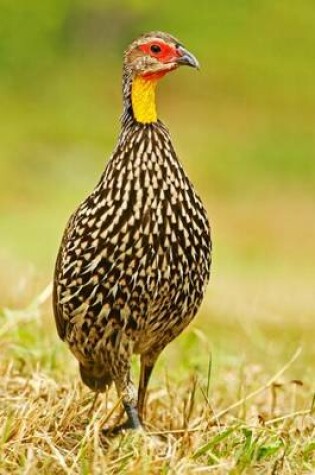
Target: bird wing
[[61, 322]]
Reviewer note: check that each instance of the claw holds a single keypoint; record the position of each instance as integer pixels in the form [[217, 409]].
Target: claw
[[132, 423]]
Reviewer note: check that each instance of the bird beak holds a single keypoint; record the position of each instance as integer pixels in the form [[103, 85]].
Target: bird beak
[[186, 58]]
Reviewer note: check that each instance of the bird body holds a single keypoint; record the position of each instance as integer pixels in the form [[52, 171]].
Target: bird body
[[135, 257]]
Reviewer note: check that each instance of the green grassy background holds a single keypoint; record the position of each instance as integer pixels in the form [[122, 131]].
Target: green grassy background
[[243, 126]]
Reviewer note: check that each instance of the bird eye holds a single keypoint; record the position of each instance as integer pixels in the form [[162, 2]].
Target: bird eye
[[155, 49]]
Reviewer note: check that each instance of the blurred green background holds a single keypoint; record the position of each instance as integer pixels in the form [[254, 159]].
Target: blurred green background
[[244, 127]]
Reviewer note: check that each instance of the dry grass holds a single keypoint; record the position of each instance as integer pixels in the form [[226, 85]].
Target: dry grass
[[243, 420]]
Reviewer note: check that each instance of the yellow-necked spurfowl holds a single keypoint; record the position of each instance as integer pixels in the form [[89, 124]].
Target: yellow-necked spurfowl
[[134, 260]]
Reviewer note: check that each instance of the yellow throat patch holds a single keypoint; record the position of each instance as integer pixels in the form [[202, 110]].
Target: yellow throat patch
[[143, 99]]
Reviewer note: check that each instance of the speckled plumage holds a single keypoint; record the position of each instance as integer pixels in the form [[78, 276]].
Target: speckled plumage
[[134, 260]]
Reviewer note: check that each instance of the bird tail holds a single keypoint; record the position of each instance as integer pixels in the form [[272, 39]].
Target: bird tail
[[99, 381]]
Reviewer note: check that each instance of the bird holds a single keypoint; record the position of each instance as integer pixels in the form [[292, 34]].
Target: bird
[[135, 257]]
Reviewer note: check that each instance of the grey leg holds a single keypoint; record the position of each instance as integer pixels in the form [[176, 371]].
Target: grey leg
[[133, 421], [126, 390]]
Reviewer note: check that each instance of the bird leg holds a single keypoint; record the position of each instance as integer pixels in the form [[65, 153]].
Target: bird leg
[[126, 390], [147, 366], [133, 421]]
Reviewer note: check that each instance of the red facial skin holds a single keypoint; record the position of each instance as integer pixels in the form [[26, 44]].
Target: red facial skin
[[168, 54]]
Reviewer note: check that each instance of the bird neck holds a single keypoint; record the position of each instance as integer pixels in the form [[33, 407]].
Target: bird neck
[[139, 99], [143, 99]]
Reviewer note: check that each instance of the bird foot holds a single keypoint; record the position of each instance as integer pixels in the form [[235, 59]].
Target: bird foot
[[132, 423], [112, 431]]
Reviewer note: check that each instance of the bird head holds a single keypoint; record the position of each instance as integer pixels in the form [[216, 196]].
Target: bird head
[[146, 61], [155, 54]]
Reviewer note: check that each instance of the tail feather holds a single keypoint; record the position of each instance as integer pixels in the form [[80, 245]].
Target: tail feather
[[97, 382]]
